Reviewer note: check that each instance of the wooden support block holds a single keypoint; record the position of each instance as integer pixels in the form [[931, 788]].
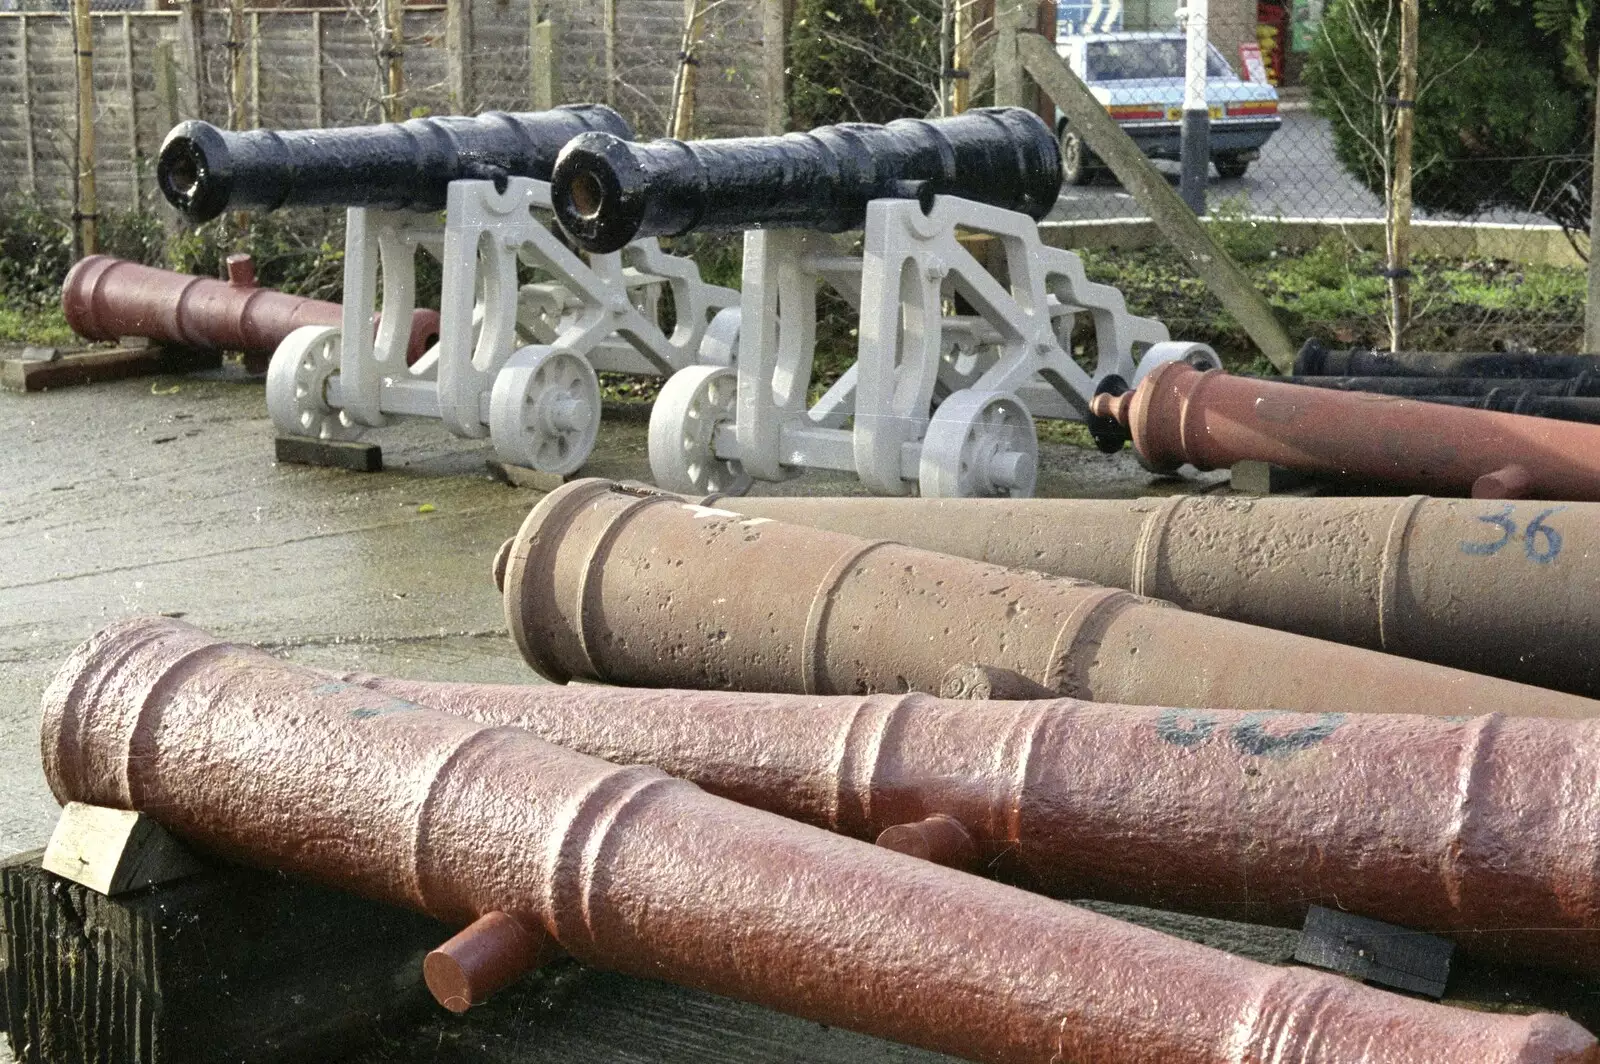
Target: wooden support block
[[522, 477], [1263, 478], [1375, 952], [227, 965], [114, 851], [92, 367], [335, 454]]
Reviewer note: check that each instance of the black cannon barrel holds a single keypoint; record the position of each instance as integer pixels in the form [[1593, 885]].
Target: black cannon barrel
[[1584, 385], [1561, 408], [1315, 360], [204, 171], [608, 192]]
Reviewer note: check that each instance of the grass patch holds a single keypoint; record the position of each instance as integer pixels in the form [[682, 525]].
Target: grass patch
[[40, 326]]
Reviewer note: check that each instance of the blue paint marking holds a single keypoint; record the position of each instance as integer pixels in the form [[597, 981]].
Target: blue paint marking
[[1540, 542], [1251, 736], [1183, 727], [1188, 728]]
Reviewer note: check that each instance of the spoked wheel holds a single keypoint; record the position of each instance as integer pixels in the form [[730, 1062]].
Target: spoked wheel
[[299, 378], [979, 444], [683, 426], [544, 410]]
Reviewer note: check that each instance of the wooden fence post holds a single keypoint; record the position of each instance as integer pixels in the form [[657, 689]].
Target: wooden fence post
[[316, 68], [236, 64], [86, 210], [1399, 206], [136, 184], [458, 54], [774, 63], [1009, 84], [26, 81], [683, 83], [545, 87], [393, 54], [609, 30]]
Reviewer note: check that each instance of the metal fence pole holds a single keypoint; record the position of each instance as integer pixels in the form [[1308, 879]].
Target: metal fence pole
[[1195, 146]]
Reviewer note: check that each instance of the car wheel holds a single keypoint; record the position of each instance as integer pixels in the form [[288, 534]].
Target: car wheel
[[1077, 162], [1231, 166]]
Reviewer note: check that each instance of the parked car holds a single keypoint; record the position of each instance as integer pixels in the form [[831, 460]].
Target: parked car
[[1140, 79]]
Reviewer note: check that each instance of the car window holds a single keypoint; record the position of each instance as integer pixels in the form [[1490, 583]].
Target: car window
[[1161, 57]]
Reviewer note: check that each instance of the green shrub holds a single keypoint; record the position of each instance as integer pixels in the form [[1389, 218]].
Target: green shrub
[[862, 60], [35, 252], [1505, 115]]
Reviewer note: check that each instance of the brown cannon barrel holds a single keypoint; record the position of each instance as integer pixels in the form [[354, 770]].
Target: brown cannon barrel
[[275, 765], [106, 298], [640, 589], [1490, 586], [1484, 829], [1212, 419]]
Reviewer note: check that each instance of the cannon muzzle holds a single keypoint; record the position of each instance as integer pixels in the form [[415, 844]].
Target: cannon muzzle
[[608, 192], [204, 171]]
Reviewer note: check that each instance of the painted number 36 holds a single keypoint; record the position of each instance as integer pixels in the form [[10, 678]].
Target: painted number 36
[[1541, 542]]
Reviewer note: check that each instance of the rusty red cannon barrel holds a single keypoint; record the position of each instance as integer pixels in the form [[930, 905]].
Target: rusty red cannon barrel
[[1484, 829], [1210, 420], [1315, 360], [641, 589], [1492, 587], [106, 298], [607, 191], [204, 171], [536, 847]]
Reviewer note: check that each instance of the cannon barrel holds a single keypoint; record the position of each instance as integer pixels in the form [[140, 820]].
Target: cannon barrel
[[536, 848], [106, 298], [1315, 360], [204, 171], [1441, 580], [607, 192], [1213, 419], [642, 589], [1244, 816], [1584, 386]]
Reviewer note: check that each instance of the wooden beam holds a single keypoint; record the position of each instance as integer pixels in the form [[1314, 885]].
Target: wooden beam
[[92, 367], [114, 851], [228, 965], [1149, 186]]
